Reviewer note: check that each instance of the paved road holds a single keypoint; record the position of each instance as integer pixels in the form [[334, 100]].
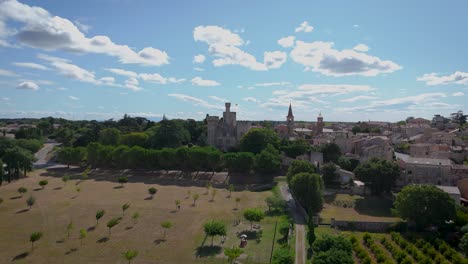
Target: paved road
[[299, 222], [41, 156]]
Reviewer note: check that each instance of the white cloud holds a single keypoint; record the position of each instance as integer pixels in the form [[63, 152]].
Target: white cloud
[[457, 77], [83, 27], [361, 47], [219, 99], [199, 58], [321, 57], [147, 77], [458, 94], [198, 81], [6, 98], [132, 84], [224, 46], [196, 101], [272, 84], [7, 73], [331, 89], [304, 27], [198, 69], [44, 31], [358, 98], [123, 72], [28, 86], [355, 26], [30, 65], [62, 89], [251, 99], [286, 42], [74, 98]]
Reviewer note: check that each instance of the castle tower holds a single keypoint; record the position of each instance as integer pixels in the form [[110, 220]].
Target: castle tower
[[319, 126], [290, 121]]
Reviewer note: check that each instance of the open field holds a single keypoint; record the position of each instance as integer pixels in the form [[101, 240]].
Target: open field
[[60, 203], [357, 208]]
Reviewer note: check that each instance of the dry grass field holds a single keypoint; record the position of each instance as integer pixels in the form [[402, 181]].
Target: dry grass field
[[59, 203]]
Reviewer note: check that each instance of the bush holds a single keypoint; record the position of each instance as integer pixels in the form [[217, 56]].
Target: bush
[[283, 255]]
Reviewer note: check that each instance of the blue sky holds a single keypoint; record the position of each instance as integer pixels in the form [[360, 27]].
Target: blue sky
[[350, 60]]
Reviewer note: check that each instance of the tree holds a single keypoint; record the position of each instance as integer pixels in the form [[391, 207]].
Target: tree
[[237, 202], [295, 148], [459, 117], [70, 227], [231, 189], [213, 194], [111, 223], [275, 203], [130, 255], [307, 188], [268, 161], [168, 134], [83, 234], [253, 215], [30, 201], [177, 204], [70, 155], [1, 171], [463, 245], [195, 197], [331, 152], [22, 190], [298, 166], [34, 237], [43, 183], [425, 205], [214, 228], [333, 256], [238, 162], [18, 159], [332, 249], [208, 187], [124, 208], [65, 179], [152, 191], [379, 174], [166, 225], [283, 255], [232, 253], [99, 215], [330, 175], [122, 180], [135, 217], [311, 232], [109, 136], [257, 139], [85, 173], [134, 139], [33, 145]]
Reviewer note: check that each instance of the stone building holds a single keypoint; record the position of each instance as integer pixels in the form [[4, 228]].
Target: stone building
[[370, 147], [426, 171], [226, 132]]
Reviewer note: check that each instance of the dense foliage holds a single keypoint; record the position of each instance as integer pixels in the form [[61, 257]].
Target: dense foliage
[[257, 139], [298, 166], [379, 174], [307, 187], [331, 250]]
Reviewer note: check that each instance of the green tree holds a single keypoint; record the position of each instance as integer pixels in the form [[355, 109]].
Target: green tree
[[332, 249], [231, 189], [331, 152], [99, 215], [307, 188], [379, 174], [330, 175], [298, 166], [83, 234], [65, 179], [111, 223], [283, 255], [134, 139], [463, 245], [70, 227], [71, 156], [238, 162], [34, 237], [30, 201], [275, 203], [109, 136], [130, 255], [177, 204], [295, 148], [166, 225], [22, 190], [268, 161], [122, 180], [333, 256], [214, 228], [152, 191], [18, 159], [425, 205], [257, 139], [232, 253], [195, 197], [311, 232], [168, 134], [43, 183], [124, 208], [213, 193], [253, 215], [135, 217], [33, 145], [237, 202]]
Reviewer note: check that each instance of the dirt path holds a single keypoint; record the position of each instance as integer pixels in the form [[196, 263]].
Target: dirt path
[[41, 155], [299, 224]]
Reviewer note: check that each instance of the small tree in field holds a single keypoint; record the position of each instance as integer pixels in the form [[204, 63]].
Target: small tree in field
[[70, 227], [43, 183], [166, 225], [78, 189], [99, 215], [195, 197], [34, 237], [65, 179], [85, 174], [231, 189], [135, 217], [130, 255], [152, 191], [30, 201], [237, 202], [124, 208], [22, 190], [189, 193], [208, 187], [233, 253], [83, 235], [113, 222], [123, 180], [215, 228], [177, 204], [253, 215], [213, 194]]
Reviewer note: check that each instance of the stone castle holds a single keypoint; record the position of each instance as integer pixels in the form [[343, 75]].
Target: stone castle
[[226, 132]]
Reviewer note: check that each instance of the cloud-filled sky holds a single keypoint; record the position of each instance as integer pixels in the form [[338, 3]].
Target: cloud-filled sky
[[351, 61]]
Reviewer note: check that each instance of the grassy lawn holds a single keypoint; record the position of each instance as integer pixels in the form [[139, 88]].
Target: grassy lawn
[[357, 208], [58, 204]]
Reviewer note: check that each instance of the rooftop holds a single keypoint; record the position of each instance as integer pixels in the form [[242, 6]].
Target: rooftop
[[449, 189], [428, 161]]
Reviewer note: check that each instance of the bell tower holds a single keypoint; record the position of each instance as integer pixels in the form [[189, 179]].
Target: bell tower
[[290, 121], [319, 124]]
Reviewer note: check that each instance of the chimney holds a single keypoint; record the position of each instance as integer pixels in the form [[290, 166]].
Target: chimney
[[228, 107]]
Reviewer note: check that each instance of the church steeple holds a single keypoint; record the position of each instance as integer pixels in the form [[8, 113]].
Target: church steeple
[[290, 121], [290, 114]]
